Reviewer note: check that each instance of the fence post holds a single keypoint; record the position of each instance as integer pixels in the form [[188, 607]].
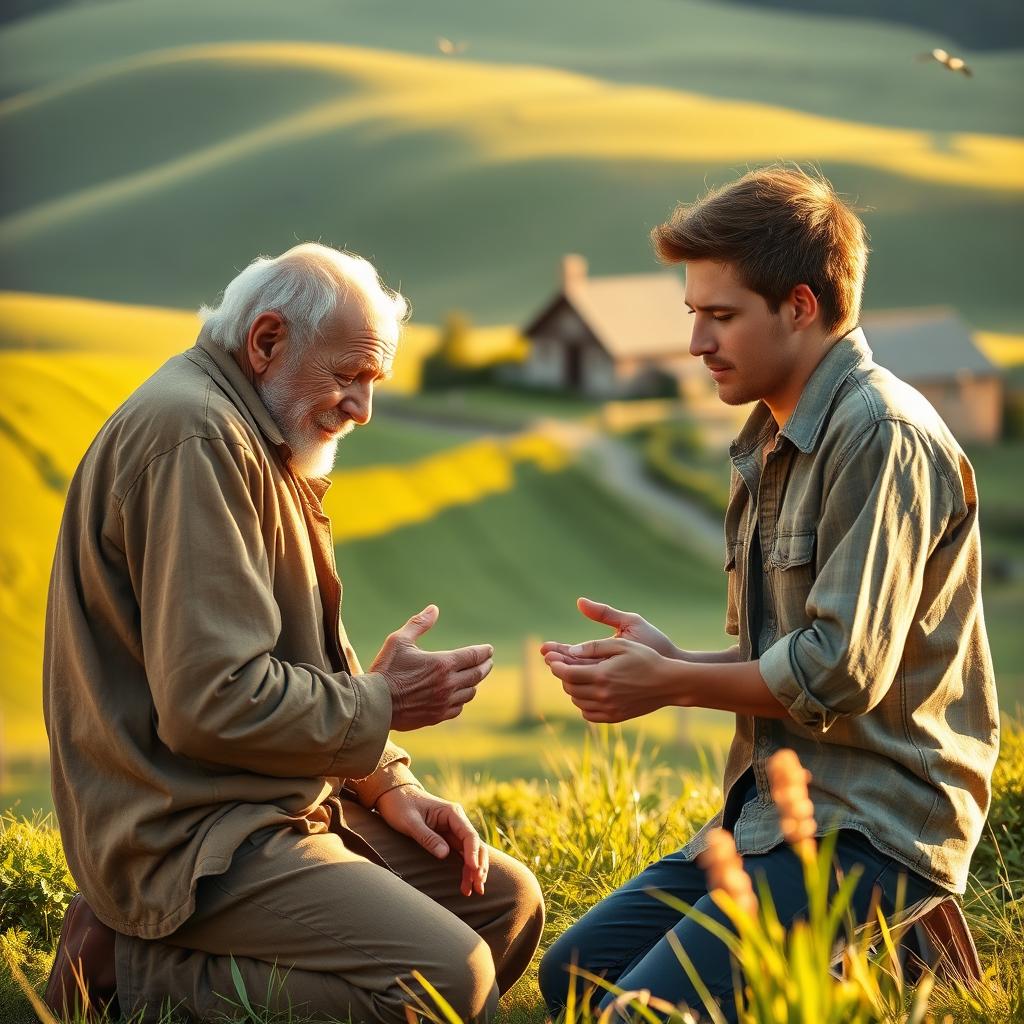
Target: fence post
[[528, 714]]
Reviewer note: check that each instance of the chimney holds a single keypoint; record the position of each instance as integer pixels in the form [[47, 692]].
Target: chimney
[[574, 271]]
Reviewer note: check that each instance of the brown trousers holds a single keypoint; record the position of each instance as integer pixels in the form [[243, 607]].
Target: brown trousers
[[331, 924]]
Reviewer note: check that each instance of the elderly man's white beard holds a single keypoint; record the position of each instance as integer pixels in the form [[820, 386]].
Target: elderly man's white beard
[[311, 454]]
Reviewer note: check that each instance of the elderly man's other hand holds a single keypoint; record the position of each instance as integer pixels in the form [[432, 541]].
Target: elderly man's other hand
[[428, 687], [439, 827], [613, 680], [627, 626]]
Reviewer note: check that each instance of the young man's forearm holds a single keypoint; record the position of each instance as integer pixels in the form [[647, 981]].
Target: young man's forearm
[[722, 685], [728, 656]]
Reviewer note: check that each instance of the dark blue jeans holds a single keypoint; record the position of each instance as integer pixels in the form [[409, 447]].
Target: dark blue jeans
[[623, 938]]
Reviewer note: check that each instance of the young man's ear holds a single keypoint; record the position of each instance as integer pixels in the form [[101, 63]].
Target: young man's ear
[[805, 307], [266, 334]]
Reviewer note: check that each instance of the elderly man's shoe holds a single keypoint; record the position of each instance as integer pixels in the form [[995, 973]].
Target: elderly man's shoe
[[85, 957]]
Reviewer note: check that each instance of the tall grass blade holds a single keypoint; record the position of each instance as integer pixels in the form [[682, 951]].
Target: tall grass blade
[[442, 1004], [710, 1004], [243, 996], [39, 1007]]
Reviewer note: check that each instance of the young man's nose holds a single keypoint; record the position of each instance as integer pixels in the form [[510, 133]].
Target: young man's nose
[[701, 341]]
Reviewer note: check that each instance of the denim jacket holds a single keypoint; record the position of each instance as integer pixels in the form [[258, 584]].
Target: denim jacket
[[869, 622]]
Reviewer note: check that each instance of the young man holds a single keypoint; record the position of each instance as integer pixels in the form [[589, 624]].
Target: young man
[[853, 560]]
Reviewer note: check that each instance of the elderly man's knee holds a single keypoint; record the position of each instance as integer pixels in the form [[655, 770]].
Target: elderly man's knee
[[519, 894], [467, 978]]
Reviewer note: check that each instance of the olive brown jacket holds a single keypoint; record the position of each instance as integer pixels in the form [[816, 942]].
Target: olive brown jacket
[[198, 683]]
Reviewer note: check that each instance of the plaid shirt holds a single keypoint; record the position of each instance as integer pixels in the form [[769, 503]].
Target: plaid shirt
[[866, 616]]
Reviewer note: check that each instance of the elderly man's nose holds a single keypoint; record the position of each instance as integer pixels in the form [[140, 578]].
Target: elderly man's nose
[[359, 405]]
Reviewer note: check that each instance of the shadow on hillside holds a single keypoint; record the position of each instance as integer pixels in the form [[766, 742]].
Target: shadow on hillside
[[982, 25]]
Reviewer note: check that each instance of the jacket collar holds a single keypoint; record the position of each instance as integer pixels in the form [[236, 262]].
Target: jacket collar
[[228, 375], [805, 425]]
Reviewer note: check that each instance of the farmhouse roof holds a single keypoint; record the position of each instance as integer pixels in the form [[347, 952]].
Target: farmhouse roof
[[925, 344], [630, 315]]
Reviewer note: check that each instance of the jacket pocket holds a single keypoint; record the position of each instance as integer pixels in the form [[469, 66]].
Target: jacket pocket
[[792, 550], [789, 572]]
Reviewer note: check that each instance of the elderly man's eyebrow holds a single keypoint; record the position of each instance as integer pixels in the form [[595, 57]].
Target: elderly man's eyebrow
[[352, 366]]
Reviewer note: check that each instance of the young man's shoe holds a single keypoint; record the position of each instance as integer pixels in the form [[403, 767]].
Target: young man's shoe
[[84, 958]]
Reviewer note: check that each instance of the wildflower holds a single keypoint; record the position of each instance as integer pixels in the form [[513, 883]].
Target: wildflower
[[788, 780], [724, 868]]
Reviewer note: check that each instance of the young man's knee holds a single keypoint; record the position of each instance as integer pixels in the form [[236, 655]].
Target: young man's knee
[[554, 976]]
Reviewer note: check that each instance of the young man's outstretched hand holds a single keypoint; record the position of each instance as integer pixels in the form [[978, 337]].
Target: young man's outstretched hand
[[639, 670], [621, 677]]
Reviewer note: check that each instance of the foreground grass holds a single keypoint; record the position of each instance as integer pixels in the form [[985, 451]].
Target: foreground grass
[[601, 816]]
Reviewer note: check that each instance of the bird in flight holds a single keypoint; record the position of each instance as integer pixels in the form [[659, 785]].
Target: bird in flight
[[450, 49], [944, 58]]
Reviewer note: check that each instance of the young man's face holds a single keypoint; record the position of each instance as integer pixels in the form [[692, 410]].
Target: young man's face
[[750, 352]]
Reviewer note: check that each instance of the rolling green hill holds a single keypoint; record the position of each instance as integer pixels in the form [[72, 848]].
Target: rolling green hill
[[859, 66], [982, 24], [513, 564], [502, 533], [150, 179], [152, 148]]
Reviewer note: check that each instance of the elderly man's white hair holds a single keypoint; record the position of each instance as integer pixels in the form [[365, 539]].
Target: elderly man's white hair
[[305, 285]]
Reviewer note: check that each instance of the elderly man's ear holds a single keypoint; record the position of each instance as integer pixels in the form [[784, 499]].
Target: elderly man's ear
[[264, 342]]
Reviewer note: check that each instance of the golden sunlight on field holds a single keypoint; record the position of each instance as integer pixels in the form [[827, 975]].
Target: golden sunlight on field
[[1005, 350], [388, 497], [146, 336]]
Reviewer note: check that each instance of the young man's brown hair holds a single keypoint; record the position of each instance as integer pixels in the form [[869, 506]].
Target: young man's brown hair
[[779, 227]]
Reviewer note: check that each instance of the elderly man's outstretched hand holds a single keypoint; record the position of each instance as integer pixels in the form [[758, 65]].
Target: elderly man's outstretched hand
[[428, 687]]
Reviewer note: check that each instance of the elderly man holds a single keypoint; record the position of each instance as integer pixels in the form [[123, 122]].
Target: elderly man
[[222, 774]]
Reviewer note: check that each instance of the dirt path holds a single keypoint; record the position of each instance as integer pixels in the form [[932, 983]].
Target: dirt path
[[612, 463], [617, 467]]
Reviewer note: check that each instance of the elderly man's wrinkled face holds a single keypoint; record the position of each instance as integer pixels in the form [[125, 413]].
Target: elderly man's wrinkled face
[[318, 391]]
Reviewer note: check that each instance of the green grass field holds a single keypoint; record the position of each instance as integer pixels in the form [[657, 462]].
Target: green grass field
[[602, 814]]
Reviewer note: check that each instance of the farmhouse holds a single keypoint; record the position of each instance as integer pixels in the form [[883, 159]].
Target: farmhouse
[[611, 337], [629, 335]]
